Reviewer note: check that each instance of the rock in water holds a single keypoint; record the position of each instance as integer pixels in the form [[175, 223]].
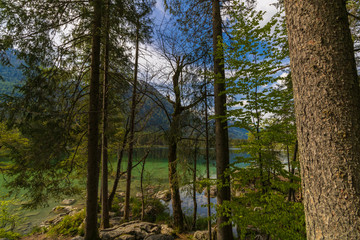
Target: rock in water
[[68, 201], [204, 235], [164, 195], [166, 230], [138, 229]]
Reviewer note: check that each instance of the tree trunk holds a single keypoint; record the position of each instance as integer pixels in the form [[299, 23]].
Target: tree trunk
[[292, 174], [221, 132], [207, 159], [326, 95], [91, 228], [194, 186], [172, 155], [118, 168], [104, 170], [142, 191], [173, 176], [132, 129]]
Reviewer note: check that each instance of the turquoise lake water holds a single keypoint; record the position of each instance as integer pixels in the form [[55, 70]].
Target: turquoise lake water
[[156, 174]]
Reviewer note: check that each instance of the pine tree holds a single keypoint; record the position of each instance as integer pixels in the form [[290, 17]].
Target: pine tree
[[326, 95]]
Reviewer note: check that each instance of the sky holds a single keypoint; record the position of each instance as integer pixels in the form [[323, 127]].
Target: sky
[[265, 5], [152, 60]]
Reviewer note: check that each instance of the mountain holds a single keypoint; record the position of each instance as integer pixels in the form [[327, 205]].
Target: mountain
[[153, 100], [11, 75], [238, 133]]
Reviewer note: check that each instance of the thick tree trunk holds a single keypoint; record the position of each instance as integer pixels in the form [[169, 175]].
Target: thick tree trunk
[[104, 170], [326, 94], [221, 132], [91, 228], [132, 130]]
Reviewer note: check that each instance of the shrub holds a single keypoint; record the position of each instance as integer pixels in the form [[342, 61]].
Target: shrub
[[9, 218], [69, 226], [9, 234], [115, 207]]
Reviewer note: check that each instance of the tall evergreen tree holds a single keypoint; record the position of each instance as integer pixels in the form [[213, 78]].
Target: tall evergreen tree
[[326, 94], [91, 228], [221, 132], [104, 144], [140, 22]]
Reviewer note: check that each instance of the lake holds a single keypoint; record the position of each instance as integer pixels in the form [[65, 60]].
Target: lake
[[156, 174]]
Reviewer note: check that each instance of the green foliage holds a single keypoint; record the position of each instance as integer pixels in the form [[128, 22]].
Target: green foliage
[[10, 74], [115, 207], [9, 234], [163, 217], [201, 222], [159, 211], [49, 109], [10, 140], [69, 226], [270, 214], [37, 230], [9, 218], [47, 115], [263, 105], [135, 204]]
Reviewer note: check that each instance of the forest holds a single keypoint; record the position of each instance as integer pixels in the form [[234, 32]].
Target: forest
[[179, 119]]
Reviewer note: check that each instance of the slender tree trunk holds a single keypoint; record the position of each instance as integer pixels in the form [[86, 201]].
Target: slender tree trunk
[[118, 168], [104, 170], [142, 191], [288, 158], [91, 228], [292, 190], [172, 155], [173, 176], [257, 126], [132, 129], [207, 159], [327, 97], [221, 132], [194, 186]]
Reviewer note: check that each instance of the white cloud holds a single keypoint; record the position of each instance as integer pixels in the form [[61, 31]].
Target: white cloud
[[284, 74], [268, 7]]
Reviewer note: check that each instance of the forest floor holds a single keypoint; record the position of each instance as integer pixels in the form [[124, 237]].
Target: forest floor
[[44, 236]]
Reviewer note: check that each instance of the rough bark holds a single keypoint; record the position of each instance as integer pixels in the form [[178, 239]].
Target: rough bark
[[173, 175], [105, 222], [221, 132], [326, 94], [91, 228], [132, 129], [172, 155]]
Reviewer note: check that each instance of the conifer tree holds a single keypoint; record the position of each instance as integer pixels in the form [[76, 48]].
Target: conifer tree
[[326, 95]]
